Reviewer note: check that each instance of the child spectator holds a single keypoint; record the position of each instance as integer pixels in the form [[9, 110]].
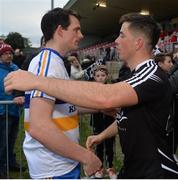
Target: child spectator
[[100, 122], [164, 61]]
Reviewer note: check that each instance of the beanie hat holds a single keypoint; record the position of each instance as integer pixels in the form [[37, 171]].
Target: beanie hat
[[5, 47]]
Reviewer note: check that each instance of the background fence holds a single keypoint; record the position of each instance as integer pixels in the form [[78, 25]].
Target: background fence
[[6, 104]]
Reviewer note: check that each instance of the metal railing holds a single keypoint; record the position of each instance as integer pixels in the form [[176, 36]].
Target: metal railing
[[6, 104]]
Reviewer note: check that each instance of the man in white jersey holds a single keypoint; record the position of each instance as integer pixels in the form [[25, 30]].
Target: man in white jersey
[[143, 101], [52, 129]]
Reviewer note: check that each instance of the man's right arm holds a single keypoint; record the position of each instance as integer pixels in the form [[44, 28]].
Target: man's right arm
[[110, 131], [46, 132]]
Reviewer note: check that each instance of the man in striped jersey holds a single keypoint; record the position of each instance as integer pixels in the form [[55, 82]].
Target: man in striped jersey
[[144, 101]]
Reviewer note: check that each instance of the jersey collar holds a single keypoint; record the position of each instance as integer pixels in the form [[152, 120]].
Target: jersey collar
[[143, 63], [54, 51]]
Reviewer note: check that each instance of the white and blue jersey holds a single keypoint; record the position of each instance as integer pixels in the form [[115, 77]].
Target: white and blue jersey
[[41, 161]]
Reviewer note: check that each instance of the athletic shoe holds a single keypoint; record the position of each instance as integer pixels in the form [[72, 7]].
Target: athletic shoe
[[99, 174], [111, 173]]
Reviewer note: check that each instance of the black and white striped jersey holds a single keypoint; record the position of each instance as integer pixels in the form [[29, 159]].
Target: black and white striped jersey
[[142, 126]]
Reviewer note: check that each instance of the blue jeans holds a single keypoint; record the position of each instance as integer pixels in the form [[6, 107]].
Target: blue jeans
[[13, 124]]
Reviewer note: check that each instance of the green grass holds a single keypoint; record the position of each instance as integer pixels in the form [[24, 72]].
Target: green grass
[[85, 131]]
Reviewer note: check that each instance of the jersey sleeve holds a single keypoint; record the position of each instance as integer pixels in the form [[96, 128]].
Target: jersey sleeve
[[148, 88], [47, 66]]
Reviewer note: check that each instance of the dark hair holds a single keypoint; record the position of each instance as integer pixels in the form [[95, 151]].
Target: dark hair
[[161, 57], [53, 18], [144, 24], [102, 68], [42, 41]]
